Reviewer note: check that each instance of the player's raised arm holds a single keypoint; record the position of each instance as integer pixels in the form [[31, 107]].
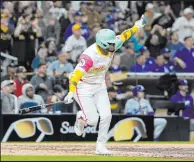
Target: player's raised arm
[[129, 32]]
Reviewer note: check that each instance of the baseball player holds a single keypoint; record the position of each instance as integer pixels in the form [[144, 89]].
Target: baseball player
[[138, 105], [87, 83]]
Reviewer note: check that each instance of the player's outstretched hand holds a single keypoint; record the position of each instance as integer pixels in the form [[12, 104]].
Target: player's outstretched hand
[[69, 98], [140, 23]]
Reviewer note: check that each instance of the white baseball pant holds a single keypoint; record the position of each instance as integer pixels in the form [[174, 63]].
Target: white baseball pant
[[94, 103], [159, 125]]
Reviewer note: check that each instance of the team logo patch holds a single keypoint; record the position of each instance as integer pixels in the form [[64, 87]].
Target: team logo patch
[[193, 54], [82, 62]]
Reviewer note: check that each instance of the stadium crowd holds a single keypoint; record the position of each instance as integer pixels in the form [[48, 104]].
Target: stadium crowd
[[41, 42]]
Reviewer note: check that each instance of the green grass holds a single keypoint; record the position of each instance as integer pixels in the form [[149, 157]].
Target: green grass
[[81, 158]]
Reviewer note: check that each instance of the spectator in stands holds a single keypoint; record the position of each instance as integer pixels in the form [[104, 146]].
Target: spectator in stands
[[136, 45], [160, 66], [167, 17], [50, 44], [93, 15], [57, 11], [92, 38], [182, 96], [41, 57], [64, 21], [168, 63], [29, 98], [174, 44], [77, 20], [6, 32], [11, 69], [59, 95], [127, 58], [156, 40], [75, 44], [8, 101], [13, 88], [184, 58], [114, 103], [140, 65], [184, 25], [138, 105], [150, 15], [83, 7], [61, 65], [9, 6], [150, 61], [25, 36], [20, 80], [40, 23], [46, 5], [115, 66], [53, 29], [42, 83]]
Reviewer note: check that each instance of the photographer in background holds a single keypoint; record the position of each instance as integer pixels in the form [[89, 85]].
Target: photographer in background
[[138, 105]]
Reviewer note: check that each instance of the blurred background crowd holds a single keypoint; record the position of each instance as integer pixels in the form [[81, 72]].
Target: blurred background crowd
[[41, 42]]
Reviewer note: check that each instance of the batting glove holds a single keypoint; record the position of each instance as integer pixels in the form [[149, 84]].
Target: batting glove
[[140, 23], [69, 98]]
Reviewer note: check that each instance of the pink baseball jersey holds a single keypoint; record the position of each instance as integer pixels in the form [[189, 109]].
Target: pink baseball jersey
[[94, 65]]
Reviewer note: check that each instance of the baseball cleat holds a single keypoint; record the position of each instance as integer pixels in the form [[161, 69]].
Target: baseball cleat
[[79, 125], [102, 150]]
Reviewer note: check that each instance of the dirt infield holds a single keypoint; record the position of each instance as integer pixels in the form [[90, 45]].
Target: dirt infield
[[180, 151]]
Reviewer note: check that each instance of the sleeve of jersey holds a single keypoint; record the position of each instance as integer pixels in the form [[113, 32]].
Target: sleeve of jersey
[[128, 33], [85, 63]]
